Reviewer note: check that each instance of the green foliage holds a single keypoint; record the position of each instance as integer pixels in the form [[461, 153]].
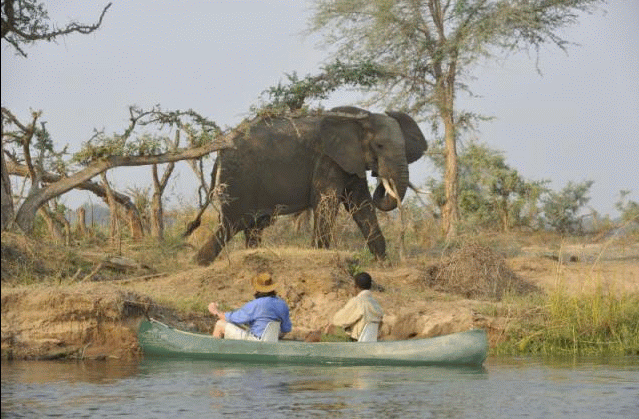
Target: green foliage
[[429, 46], [561, 208], [492, 194], [292, 95], [101, 146], [336, 335], [199, 130], [628, 209], [31, 17]]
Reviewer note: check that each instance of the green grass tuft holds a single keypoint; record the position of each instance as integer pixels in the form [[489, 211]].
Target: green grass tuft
[[590, 323]]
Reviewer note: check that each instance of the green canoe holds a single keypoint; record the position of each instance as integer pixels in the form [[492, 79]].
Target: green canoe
[[465, 348]]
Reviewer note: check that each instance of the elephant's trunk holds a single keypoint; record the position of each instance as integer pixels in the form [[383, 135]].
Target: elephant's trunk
[[389, 193]]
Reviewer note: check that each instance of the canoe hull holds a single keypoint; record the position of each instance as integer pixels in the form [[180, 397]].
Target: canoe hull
[[465, 348]]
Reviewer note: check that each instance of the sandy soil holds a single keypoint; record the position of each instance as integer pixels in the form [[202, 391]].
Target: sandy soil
[[99, 319]]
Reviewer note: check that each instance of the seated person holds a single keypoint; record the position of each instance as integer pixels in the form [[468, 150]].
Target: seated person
[[360, 309], [256, 314]]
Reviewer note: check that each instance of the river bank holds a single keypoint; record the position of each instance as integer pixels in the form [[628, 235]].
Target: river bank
[[96, 317]]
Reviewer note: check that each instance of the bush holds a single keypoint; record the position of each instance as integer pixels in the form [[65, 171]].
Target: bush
[[476, 271]]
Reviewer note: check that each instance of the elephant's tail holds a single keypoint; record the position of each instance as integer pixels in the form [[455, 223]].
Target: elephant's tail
[[190, 227]]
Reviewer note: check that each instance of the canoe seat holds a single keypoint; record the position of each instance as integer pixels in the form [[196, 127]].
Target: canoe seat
[[369, 333], [271, 332]]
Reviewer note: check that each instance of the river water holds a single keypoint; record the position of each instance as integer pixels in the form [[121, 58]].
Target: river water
[[506, 387]]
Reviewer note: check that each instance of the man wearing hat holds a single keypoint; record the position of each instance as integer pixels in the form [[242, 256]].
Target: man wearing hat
[[359, 310], [256, 314]]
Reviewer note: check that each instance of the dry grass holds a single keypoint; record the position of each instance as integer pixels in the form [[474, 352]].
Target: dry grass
[[476, 271]]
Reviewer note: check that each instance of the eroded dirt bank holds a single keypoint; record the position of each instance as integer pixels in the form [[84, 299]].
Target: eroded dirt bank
[[99, 319]]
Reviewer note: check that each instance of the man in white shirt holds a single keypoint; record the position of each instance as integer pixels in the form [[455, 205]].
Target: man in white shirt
[[359, 310]]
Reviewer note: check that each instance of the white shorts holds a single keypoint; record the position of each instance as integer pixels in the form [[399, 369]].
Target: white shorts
[[232, 331]]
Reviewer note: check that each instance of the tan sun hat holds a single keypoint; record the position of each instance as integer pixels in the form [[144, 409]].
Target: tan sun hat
[[263, 282]]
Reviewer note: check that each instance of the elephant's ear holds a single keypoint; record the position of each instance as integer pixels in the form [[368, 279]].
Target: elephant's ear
[[342, 140], [413, 138]]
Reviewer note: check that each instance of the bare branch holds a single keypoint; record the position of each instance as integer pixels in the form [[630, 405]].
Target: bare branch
[[27, 21]]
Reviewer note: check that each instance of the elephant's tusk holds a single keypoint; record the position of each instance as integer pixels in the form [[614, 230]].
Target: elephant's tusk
[[389, 185], [417, 190]]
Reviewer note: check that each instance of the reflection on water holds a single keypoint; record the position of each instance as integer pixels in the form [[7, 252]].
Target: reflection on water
[[505, 387], [97, 372]]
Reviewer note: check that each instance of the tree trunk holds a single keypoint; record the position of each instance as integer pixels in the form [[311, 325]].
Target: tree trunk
[[81, 222], [7, 197], [450, 213], [52, 224], [67, 227], [159, 185], [135, 223], [113, 213], [157, 216]]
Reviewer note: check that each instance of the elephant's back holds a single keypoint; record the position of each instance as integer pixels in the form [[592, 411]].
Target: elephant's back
[[279, 136], [275, 141], [271, 166]]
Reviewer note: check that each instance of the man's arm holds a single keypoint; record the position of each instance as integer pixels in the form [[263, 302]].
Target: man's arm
[[285, 325], [348, 314], [216, 312]]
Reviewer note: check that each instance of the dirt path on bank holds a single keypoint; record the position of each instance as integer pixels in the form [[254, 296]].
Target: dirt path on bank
[[99, 319]]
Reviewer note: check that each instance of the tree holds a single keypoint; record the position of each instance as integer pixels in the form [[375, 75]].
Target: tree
[[14, 168], [561, 208], [428, 47], [22, 23], [25, 22], [628, 209], [99, 154], [492, 193]]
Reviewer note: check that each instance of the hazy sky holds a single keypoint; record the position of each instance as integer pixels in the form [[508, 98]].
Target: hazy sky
[[578, 121]]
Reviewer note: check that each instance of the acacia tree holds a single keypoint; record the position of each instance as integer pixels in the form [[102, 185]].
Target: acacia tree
[[98, 155], [492, 194], [428, 47], [22, 23], [15, 168]]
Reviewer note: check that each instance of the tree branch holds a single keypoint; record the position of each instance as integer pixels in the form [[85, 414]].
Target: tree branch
[[18, 30]]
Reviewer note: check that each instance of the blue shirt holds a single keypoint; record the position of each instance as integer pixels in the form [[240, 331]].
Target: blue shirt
[[259, 312]]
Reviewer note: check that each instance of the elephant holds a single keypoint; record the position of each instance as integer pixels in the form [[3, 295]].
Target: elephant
[[284, 165]]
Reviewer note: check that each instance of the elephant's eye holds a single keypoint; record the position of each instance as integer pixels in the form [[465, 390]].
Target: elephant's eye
[[379, 146]]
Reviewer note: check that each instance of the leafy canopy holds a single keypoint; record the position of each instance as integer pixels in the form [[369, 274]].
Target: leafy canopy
[[428, 44]]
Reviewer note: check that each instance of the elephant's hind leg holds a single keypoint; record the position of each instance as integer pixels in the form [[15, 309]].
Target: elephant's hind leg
[[324, 215], [214, 245]]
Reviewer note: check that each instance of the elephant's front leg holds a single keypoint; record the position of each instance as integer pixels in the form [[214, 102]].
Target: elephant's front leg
[[359, 204]]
